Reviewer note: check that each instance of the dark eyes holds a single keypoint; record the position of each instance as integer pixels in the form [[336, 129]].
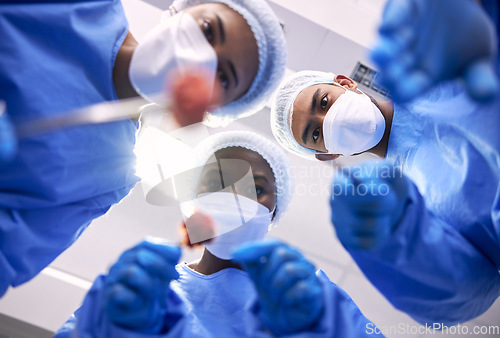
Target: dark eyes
[[213, 185], [315, 134], [209, 33], [323, 102], [258, 190], [223, 79], [207, 29]]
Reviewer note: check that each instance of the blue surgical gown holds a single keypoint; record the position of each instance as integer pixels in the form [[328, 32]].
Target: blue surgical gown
[[443, 259], [54, 58], [217, 305]]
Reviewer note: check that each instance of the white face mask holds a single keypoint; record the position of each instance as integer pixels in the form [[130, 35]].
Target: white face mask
[[176, 44], [238, 220], [353, 124]]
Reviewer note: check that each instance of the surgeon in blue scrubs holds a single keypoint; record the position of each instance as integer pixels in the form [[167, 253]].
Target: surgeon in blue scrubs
[[241, 286], [60, 56], [424, 227]]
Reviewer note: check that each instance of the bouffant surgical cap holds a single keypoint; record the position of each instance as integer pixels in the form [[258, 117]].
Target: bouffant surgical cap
[[270, 152], [282, 108], [272, 58]]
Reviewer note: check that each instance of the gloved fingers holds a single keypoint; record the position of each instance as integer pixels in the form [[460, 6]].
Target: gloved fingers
[[250, 255], [157, 260], [157, 265], [361, 229], [343, 185], [397, 183], [481, 81], [360, 243], [354, 235], [119, 298], [384, 51], [412, 85], [288, 275], [378, 178], [279, 256], [397, 13], [133, 277], [369, 199], [304, 292], [169, 253], [371, 235], [396, 44], [397, 69]]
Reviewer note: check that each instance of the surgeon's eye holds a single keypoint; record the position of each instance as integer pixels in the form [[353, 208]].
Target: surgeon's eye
[[315, 134], [223, 79], [324, 102], [208, 31]]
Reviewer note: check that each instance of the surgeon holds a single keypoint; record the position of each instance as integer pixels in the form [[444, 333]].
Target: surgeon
[[424, 226], [241, 286], [57, 57], [425, 42]]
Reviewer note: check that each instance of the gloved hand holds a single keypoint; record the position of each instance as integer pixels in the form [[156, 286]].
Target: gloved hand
[[424, 42], [8, 142], [290, 294], [367, 202], [136, 288]]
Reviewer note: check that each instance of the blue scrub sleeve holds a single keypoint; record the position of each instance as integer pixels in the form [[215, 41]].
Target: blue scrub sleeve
[[430, 270], [90, 319], [30, 239]]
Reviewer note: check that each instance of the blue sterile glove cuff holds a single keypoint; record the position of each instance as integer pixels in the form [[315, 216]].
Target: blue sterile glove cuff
[[8, 140], [425, 42], [291, 297], [367, 202], [136, 289]]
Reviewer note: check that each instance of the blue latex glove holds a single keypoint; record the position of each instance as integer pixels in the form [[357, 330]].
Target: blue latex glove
[[8, 141], [367, 202], [290, 294], [424, 42], [136, 288]]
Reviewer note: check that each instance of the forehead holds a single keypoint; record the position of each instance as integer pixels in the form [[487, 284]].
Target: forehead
[[255, 160], [303, 100]]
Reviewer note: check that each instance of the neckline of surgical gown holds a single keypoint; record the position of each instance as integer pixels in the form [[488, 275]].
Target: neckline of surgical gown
[[218, 305]]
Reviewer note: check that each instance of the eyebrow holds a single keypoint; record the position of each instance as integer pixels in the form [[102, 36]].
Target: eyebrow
[[306, 131], [314, 100], [262, 177], [311, 112], [222, 32]]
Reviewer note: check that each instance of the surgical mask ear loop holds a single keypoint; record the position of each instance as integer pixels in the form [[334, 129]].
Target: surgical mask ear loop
[[172, 10]]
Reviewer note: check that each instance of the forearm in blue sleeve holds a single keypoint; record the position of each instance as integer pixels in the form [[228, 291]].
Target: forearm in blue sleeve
[[90, 319], [31, 239], [429, 270]]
